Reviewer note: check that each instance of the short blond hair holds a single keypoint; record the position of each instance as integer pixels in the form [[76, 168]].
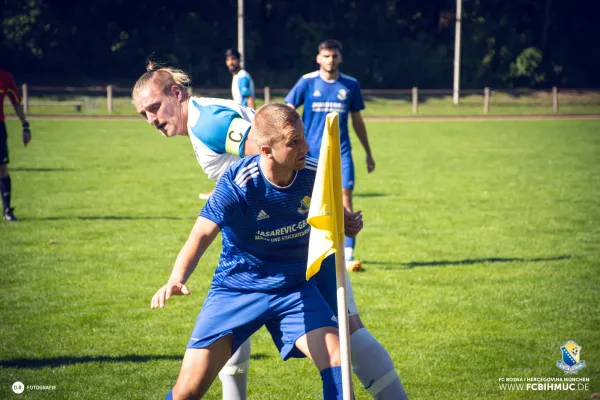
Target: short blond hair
[[164, 77], [270, 122]]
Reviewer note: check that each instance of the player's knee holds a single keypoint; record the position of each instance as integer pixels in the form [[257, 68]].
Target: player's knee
[[239, 362], [373, 366], [186, 392]]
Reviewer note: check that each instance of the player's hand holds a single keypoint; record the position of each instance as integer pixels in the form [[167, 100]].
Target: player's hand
[[26, 134], [164, 293], [370, 163], [353, 223]]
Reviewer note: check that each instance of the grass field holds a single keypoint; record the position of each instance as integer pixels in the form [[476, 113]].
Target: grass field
[[481, 247]]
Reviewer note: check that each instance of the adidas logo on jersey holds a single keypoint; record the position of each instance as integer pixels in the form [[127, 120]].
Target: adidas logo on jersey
[[262, 215], [316, 93]]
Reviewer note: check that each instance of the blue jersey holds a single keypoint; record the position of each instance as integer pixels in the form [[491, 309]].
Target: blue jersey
[[321, 97], [264, 227]]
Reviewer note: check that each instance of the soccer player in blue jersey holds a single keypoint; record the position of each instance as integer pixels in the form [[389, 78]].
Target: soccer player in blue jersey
[[329, 90], [220, 132], [260, 279]]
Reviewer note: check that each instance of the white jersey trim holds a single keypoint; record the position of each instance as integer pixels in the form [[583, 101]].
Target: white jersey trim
[[245, 174], [311, 75], [312, 163]]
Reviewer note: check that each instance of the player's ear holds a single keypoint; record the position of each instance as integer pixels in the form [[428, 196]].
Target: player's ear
[[266, 151], [177, 92]]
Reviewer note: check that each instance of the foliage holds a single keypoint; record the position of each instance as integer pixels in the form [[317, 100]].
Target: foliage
[[388, 43]]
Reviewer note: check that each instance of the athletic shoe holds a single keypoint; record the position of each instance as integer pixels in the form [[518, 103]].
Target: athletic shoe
[[205, 196], [9, 216], [353, 266]]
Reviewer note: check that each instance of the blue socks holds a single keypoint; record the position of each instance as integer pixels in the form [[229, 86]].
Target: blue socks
[[348, 242], [332, 383], [169, 395]]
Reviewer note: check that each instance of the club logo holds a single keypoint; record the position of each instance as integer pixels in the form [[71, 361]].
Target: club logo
[[304, 205], [342, 94], [570, 362]]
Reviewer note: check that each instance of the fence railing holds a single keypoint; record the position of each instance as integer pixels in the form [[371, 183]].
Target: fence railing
[[94, 99]]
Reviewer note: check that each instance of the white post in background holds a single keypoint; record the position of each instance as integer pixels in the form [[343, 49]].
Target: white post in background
[[190, 91], [267, 95], [457, 52], [25, 98], [415, 100], [241, 31], [554, 99], [486, 100], [109, 98]]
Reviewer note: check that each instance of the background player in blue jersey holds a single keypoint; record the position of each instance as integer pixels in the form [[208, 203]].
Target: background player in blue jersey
[[219, 131], [260, 279], [329, 90]]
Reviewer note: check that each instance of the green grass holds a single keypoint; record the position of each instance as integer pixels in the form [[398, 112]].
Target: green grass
[[401, 106], [481, 247]]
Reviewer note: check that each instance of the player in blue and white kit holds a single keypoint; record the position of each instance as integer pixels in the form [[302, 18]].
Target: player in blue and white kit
[[220, 133], [242, 85], [322, 92], [260, 206]]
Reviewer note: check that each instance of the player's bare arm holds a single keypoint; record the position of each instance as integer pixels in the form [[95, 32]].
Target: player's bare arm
[[26, 131], [251, 103], [202, 235], [361, 131]]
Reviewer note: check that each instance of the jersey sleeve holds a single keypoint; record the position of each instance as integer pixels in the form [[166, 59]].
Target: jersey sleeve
[[296, 96], [11, 89], [225, 204], [245, 86], [220, 128], [356, 101]]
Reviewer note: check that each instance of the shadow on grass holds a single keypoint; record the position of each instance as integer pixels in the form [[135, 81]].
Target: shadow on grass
[[468, 261], [64, 361], [369, 194], [106, 218], [40, 169]]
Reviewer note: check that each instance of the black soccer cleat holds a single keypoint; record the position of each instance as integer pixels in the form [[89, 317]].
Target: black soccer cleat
[[9, 215]]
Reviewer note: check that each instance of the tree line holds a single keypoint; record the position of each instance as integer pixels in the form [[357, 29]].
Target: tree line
[[387, 43]]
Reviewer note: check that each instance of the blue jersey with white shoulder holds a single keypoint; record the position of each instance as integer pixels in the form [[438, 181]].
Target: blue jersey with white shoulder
[[264, 227], [321, 97]]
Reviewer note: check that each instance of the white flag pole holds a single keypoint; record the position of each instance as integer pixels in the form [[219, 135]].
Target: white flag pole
[[342, 290]]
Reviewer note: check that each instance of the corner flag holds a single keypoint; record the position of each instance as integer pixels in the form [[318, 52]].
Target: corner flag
[[326, 212], [326, 218]]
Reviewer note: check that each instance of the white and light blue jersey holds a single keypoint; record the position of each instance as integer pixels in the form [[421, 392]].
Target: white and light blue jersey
[[264, 227], [217, 129], [321, 97], [242, 86]]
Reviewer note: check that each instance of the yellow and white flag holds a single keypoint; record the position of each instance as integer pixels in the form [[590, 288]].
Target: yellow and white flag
[[326, 213]]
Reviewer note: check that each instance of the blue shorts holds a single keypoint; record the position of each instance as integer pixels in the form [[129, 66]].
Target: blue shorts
[[347, 171], [287, 314]]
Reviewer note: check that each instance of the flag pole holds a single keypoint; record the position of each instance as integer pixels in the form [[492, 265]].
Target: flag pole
[[326, 218], [342, 302], [340, 278]]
